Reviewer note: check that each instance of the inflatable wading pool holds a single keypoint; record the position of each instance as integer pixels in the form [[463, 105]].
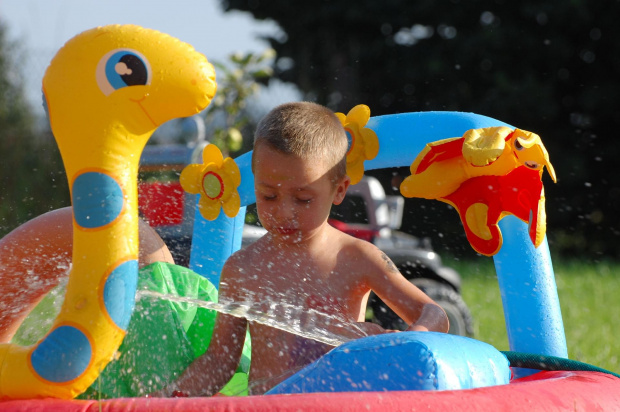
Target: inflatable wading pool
[[109, 88]]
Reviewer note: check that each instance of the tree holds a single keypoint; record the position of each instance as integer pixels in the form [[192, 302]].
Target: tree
[[544, 66], [32, 178], [238, 80]]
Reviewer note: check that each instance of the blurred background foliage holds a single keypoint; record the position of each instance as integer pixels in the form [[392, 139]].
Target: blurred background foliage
[[545, 66], [31, 171], [227, 117]]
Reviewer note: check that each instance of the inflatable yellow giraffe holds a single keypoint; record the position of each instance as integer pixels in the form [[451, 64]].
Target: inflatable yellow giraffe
[[106, 91]]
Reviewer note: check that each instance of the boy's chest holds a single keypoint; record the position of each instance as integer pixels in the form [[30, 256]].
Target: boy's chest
[[300, 291], [304, 276]]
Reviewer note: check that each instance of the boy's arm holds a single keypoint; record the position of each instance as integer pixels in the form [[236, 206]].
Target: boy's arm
[[207, 374], [212, 370], [403, 297]]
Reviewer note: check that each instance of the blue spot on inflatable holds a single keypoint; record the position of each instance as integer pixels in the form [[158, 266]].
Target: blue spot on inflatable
[[119, 292], [63, 355], [97, 200]]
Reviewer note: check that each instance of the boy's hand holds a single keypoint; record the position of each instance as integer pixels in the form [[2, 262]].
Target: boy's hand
[[169, 391], [433, 317], [162, 393]]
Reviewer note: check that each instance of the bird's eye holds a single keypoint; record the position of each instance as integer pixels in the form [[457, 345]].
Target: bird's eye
[[518, 145], [121, 68]]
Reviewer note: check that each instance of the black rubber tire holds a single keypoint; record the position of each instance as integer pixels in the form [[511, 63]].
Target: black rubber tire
[[461, 321]]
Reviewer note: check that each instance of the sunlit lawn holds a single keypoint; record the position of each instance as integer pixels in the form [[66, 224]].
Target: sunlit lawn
[[589, 297]]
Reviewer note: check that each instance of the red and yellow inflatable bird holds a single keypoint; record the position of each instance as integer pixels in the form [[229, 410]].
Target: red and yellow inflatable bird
[[485, 174]]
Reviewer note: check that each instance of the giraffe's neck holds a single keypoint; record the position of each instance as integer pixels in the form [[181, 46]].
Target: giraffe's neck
[[105, 236]]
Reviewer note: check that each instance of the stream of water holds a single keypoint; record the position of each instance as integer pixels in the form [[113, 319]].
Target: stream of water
[[302, 322]]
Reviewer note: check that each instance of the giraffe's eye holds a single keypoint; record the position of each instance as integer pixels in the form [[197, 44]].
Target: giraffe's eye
[[122, 68]]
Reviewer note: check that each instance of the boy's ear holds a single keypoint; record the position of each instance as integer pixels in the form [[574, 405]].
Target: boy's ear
[[341, 190]]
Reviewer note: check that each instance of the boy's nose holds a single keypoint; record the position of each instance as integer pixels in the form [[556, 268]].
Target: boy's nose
[[286, 211]]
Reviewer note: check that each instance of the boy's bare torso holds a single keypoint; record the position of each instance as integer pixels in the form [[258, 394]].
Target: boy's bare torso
[[319, 290]]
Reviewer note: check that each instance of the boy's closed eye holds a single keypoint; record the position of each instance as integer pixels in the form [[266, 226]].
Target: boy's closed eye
[[298, 200], [266, 194]]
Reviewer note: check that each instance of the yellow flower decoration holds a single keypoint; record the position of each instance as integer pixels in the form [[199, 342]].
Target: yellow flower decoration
[[363, 142], [216, 180]]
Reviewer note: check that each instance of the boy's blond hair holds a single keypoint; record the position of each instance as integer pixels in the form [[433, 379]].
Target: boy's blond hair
[[308, 131]]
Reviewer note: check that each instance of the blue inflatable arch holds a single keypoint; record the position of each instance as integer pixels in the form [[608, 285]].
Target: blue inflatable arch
[[525, 274]]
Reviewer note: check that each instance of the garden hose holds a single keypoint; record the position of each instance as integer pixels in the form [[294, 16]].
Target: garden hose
[[550, 363]]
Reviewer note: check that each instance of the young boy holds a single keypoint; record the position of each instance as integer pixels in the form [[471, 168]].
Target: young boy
[[299, 165]]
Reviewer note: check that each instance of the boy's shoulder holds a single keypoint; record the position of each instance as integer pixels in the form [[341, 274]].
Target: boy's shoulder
[[361, 250], [250, 255], [348, 239]]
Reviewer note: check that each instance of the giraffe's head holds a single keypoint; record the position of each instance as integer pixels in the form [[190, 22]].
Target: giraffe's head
[[123, 81]]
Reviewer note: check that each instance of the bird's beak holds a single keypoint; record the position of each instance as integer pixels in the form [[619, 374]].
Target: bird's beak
[[529, 140]]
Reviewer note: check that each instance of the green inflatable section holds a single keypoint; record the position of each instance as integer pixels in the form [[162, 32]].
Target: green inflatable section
[[162, 339]]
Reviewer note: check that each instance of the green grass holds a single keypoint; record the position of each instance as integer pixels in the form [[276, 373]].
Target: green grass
[[589, 296]]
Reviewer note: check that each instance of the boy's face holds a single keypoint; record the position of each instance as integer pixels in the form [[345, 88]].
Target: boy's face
[[293, 196]]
